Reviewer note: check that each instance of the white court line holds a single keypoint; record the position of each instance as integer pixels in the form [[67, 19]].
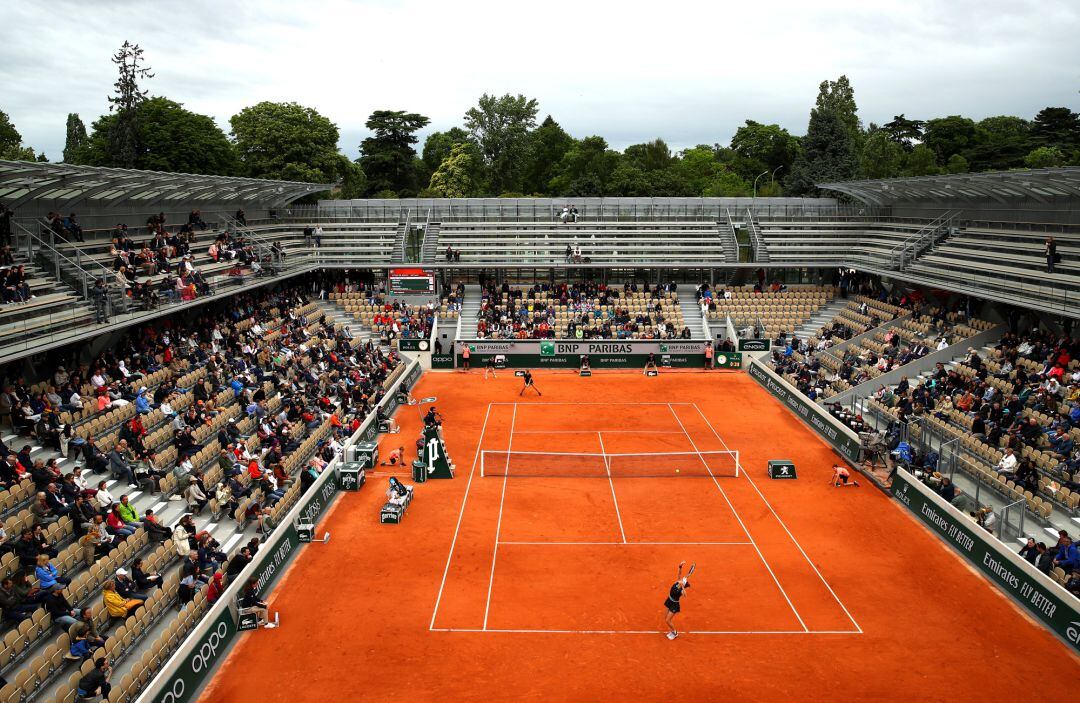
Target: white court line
[[741, 523], [604, 431], [654, 633], [609, 404], [498, 525], [629, 544], [607, 468], [791, 536], [461, 514]]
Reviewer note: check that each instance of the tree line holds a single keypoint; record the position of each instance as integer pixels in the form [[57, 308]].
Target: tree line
[[501, 149]]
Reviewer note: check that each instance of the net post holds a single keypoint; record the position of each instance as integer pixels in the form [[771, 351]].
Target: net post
[[482, 452], [737, 464]]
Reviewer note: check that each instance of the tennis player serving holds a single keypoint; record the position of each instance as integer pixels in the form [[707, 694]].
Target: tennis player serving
[[672, 606]]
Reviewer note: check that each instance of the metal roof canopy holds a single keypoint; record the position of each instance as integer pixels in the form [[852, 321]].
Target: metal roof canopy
[[23, 182], [1041, 185]]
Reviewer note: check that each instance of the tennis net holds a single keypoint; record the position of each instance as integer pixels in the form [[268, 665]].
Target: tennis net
[[578, 465]]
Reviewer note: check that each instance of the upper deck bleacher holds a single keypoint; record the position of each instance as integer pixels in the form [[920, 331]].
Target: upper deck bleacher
[[601, 242]]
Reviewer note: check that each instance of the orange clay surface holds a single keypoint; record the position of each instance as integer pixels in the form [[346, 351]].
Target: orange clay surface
[[803, 591]]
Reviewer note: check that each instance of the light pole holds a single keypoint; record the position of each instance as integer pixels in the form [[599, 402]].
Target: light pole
[[772, 178], [763, 173]]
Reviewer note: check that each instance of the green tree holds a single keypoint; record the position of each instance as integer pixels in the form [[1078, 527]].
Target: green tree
[[839, 97], [767, 146], [904, 132], [957, 164], [76, 139], [123, 139], [1001, 142], [387, 156], [454, 177], [586, 169], [1045, 157], [287, 141], [438, 145], [949, 135], [650, 156], [629, 181], [698, 167], [1057, 126], [501, 127], [922, 161], [548, 144], [827, 154], [171, 139], [11, 146], [882, 156]]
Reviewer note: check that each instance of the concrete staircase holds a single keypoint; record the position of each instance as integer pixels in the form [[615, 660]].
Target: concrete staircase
[[470, 306], [691, 313], [820, 318], [338, 316], [430, 251]]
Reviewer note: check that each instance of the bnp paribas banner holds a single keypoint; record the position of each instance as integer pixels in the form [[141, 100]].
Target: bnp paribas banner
[[602, 353], [1047, 602]]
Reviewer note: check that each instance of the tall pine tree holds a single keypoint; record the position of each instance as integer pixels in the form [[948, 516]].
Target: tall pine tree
[[827, 154], [76, 139]]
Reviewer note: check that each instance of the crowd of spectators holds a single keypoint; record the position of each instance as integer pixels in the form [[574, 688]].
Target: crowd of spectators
[[1023, 399], [261, 345], [800, 359], [595, 311]]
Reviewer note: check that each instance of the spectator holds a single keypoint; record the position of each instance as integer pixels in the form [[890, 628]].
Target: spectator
[[144, 581], [14, 607], [216, 588], [57, 605], [117, 605], [126, 587], [96, 681], [49, 579]]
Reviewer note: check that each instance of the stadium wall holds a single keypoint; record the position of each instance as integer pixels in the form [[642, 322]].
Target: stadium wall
[[839, 436], [1043, 599], [186, 671]]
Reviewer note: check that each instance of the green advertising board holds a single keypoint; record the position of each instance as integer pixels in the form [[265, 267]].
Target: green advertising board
[[602, 353], [414, 344], [728, 360], [601, 361], [842, 439], [442, 361], [754, 345], [1046, 601]]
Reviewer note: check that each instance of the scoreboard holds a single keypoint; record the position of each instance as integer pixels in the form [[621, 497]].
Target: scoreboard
[[412, 282]]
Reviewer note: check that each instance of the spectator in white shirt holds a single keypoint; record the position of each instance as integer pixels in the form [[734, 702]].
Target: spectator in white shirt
[[1008, 462]]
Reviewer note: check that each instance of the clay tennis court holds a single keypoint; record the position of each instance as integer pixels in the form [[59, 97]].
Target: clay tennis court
[[549, 585]]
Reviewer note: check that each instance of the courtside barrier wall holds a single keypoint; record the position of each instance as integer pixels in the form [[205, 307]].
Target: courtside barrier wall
[[183, 675], [1045, 600], [841, 437], [567, 353]]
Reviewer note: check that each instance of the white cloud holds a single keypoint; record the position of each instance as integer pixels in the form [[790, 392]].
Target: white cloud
[[687, 71]]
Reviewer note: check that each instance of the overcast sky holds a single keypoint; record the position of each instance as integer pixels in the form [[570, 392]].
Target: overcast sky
[[689, 72]]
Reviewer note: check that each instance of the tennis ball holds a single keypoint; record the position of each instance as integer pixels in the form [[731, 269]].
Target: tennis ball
[[676, 470]]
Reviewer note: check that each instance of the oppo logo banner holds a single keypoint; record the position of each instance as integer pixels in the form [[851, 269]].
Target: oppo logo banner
[[201, 660]]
